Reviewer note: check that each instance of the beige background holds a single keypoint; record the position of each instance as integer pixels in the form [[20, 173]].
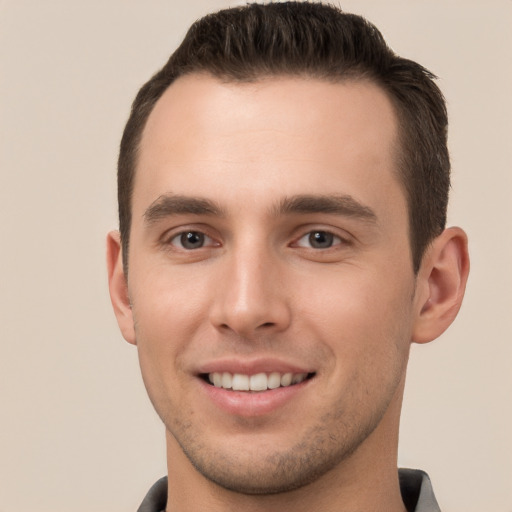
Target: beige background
[[76, 429]]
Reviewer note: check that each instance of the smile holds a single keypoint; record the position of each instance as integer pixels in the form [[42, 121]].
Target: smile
[[257, 382]]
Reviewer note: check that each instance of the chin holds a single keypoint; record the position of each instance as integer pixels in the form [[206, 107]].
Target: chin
[[276, 474], [254, 468]]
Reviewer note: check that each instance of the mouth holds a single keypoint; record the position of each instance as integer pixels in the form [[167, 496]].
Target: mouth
[[258, 382]]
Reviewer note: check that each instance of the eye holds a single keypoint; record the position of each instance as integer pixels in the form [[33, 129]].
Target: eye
[[319, 240], [191, 240]]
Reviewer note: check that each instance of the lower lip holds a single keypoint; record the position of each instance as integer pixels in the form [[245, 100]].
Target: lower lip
[[252, 404]]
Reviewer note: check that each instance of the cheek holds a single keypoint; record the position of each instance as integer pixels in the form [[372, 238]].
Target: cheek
[[360, 314], [167, 302], [166, 311]]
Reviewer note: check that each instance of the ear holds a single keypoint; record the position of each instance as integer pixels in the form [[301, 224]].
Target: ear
[[118, 287], [441, 284]]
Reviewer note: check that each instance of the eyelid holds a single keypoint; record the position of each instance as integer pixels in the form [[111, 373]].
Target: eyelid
[[336, 240], [177, 238], [341, 238], [175, 233]]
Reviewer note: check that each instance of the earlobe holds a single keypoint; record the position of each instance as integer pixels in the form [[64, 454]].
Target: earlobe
[[441, 284], [118, 287]]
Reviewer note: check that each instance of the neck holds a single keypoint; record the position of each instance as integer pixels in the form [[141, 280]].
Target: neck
[[369, 488]]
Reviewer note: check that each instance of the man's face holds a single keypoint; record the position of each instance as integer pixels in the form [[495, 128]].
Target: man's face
[[269, 243]]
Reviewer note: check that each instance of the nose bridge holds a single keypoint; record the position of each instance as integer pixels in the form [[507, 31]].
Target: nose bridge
[[251, 297]]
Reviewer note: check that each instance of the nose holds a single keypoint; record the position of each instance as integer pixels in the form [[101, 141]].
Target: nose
[[251, 296]]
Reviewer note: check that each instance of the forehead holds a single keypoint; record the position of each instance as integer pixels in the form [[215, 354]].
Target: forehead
[[286, 134]]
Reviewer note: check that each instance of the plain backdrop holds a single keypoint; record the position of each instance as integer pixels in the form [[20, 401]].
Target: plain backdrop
[[77, 431]]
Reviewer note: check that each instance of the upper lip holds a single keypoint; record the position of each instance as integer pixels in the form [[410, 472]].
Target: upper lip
[[251, 367]]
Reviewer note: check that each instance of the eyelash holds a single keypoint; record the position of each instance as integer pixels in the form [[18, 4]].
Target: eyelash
[[182, 236], [320, 236]]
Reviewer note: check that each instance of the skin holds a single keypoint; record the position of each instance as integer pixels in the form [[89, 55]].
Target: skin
[[227, 162]]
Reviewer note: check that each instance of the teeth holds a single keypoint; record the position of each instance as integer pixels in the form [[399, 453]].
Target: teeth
[[239, 383], [274, 380], [216, 379], [286, 379], [299, 377], [257, 382], [226, 380]]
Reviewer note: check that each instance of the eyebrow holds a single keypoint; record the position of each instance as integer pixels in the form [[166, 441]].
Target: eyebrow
[[169, 204], [344, 205]]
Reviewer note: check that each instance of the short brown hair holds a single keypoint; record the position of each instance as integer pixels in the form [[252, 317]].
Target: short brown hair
[[320, 41]]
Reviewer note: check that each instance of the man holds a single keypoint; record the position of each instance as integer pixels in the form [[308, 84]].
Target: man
[[283, 184]]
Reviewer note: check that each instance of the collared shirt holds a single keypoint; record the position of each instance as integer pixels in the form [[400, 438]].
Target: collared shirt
[[415, 487]]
